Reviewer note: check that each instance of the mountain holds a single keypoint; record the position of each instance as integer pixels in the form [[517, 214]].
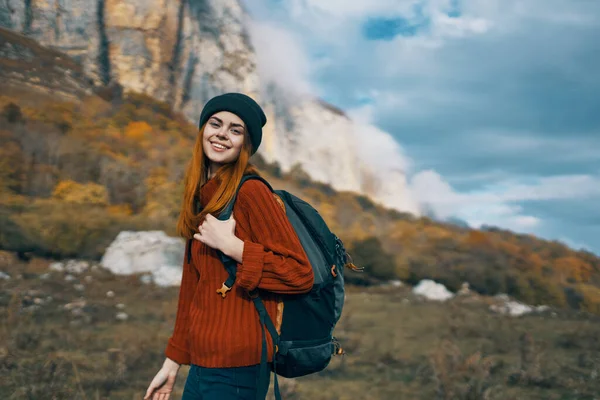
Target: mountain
[[183, 53]]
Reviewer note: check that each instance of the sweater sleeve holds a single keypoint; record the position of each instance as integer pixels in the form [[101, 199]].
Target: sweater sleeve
[[273, 258], [177, 347]]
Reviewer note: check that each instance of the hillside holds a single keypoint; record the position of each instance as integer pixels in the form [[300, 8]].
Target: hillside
[[76, 173]]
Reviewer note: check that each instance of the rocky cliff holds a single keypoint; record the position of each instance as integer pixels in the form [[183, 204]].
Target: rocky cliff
[[186, 51]]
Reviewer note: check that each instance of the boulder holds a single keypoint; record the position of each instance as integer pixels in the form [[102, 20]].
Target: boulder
[[146, 251], [432, 290]]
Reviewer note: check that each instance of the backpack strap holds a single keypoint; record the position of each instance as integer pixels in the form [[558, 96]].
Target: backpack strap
[[266, 323], [229, 263]]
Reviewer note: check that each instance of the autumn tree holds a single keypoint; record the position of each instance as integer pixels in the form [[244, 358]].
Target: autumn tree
[[369, 254], [86, 193]]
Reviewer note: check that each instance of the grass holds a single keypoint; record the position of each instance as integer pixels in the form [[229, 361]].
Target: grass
[[398, 346]]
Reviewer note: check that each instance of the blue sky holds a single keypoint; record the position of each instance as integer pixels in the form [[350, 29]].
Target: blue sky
[[494, 103]]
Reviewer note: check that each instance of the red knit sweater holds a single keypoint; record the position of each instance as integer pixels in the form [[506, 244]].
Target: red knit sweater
[[212, 331]]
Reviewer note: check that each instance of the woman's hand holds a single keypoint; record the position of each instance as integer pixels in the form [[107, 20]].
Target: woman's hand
[[216, 233], [163, 383]]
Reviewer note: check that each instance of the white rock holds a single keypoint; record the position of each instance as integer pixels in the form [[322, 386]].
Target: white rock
[[88, 279], [45, 276], [146, 251], [110, 293], [432, 290], [76, 267], [69, 278], [121, 316], [79, 287], [464, 289], [120, 306], [395, 283], [4, 275], [57, 266], [75, 304], [146, 279], [512, 308], [37, 300]]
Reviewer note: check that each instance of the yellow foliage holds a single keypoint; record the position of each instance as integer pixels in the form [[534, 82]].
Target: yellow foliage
[[572, 268], [120, 210], [137, 130], [591, 298], [163, 197], [81, 193]]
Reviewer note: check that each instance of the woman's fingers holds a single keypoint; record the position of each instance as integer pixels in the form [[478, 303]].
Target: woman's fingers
[[149, 392]]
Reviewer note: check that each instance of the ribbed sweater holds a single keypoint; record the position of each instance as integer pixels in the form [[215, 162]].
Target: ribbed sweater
[[212, 331]]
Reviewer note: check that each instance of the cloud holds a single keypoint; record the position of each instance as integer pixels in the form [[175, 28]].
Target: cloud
[[500, 204], [494, 102], [281, 58], [376, 146]]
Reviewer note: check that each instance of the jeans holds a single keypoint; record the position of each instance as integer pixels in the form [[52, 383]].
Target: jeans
[[222, 383]]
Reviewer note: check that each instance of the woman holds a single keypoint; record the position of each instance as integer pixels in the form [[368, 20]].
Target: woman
[[220, 337]]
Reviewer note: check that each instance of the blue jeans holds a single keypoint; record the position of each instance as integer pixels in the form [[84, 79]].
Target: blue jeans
[[222, 383]]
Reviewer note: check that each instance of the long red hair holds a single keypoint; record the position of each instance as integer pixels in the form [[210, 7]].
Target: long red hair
[[196, 175]]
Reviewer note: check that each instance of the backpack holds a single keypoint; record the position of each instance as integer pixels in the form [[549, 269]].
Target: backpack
[[306, 343]]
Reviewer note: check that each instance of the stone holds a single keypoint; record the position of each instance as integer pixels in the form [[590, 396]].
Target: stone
[[432, 290], [76, 267], [57, 266], [110, 294], [80, 303], [464, 289], [121, 316], [146, 251]]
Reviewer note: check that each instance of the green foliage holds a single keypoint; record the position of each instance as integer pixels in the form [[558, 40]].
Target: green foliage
[[369, 254], [61, 229], [12, 113]]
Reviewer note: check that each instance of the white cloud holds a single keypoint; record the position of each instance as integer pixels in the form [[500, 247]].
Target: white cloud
[[491, 79], [281, 57], [498, 204]]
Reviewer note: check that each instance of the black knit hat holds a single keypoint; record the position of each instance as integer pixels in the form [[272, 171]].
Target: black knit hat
[[242, 106]]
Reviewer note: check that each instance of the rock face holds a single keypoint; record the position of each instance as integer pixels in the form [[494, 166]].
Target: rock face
[[25, 64], [186, 51], [150, 251]]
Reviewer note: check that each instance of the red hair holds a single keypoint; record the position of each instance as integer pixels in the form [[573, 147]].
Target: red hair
[[196, 175]]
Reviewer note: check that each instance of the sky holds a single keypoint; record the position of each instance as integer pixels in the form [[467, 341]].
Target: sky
[[494, 104]]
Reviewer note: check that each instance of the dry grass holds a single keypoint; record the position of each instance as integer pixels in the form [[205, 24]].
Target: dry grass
[[398, 346]]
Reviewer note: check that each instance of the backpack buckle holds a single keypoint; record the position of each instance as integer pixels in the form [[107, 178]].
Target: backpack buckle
[[223, 291]]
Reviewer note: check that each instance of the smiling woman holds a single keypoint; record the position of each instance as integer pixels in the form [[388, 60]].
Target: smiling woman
[[220, 336]]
